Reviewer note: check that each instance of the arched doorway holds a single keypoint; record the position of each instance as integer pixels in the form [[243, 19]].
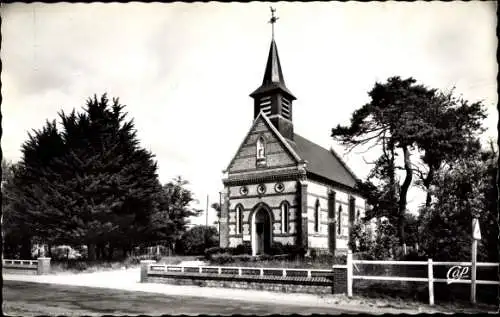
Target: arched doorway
[[261, 231]]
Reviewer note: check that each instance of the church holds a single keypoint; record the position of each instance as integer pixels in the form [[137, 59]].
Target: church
[[282, 187]]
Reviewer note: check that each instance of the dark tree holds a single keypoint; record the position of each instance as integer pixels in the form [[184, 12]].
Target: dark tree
[[16, 240], [467, 190], [197, 239], [90, 183], [454, 125], [170, 220], [217, 207], [403, 116]]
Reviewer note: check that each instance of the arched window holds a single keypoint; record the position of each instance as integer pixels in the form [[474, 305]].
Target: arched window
[[239, 219], [285, 208], [261, 148], [316, 216], [340, 220], [352, 207]]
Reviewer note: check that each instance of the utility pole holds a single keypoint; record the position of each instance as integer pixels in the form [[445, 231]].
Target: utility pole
[[220, 213], [206, 213]]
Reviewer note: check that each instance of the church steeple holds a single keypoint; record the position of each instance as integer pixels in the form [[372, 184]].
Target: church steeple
[[272, 97]]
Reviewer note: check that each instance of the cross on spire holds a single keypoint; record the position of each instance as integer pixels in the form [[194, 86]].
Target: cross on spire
[[273, 20]]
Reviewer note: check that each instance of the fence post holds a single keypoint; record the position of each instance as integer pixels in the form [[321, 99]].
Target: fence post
[[349, 273], [473, 272], [144, 269], [43, 266], [430, 277]]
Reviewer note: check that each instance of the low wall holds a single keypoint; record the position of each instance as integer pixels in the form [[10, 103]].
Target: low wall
[[314, 282], [40, 266], [339, 279]]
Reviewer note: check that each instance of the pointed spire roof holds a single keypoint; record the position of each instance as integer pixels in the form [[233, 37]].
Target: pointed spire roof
[[273, 75]]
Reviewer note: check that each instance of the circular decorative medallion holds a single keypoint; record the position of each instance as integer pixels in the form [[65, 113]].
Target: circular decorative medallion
[[261, 189], [243, 190], [279, 187]]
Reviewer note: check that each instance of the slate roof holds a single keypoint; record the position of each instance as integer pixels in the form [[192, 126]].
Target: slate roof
[[273, 75], [323, 162]]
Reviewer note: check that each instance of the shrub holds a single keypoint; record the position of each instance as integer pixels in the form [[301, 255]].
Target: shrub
[[339, 259], [293, 251], [266, 257], [222, 258], [79, 266], [196, 240], [276, 248], [322, 256], [412, 256], [381, 248], [213, 250], [244, 248], [360, 239], [136, 259], [243, 258]]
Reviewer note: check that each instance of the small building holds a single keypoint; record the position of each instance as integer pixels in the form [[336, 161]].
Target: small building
[[282, 187]]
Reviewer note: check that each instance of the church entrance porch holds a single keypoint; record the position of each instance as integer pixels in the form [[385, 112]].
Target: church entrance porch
[[261, 231]]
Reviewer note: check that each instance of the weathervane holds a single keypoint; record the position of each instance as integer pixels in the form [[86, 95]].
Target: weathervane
[[273, 19]]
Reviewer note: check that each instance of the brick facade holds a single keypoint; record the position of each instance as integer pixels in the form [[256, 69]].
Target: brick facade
[[282, 178]]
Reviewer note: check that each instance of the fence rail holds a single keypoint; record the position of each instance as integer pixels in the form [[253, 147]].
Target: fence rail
[[41, 265], [351, 264], [241, 271], [19, 262]]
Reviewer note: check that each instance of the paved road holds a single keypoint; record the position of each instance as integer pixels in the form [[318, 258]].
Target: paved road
[[29, 299]]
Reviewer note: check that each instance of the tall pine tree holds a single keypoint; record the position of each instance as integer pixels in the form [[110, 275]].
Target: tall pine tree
[[403, 116], [90, 183]]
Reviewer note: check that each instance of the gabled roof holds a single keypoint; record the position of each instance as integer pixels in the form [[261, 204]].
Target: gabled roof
[[323, 162], [282, 139], [273, 75], [320, 161], [275, 132]]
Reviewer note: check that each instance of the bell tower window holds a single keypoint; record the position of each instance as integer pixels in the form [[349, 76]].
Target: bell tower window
[[265, 105], [285, 108]]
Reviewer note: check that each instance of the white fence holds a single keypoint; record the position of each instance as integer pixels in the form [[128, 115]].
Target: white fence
[[20, 263], [239, 271], [41, 265], [351, 264]]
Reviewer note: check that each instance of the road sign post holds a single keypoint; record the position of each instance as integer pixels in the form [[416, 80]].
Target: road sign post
[[476, 236]]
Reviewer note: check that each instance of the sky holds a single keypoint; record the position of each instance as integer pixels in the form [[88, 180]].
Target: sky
[[185, 70]]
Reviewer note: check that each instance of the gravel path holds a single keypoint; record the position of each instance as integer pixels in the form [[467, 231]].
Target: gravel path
[[128, 279]]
